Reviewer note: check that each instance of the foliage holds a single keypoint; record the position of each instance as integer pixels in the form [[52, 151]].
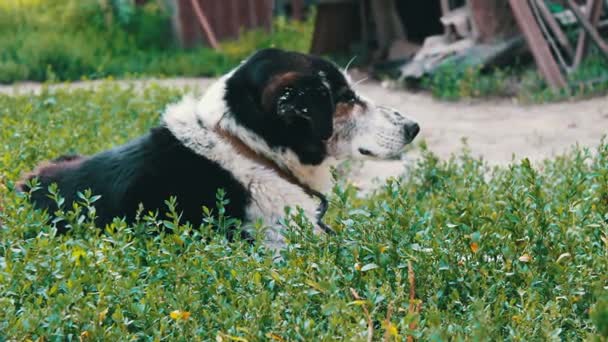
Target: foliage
[[515, 253], [521, 81], [74, 39]]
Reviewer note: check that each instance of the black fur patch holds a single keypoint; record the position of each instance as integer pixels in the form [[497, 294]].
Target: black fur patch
[[287, 98], [147, 170]]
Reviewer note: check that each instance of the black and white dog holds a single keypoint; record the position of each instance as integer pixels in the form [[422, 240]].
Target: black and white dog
[[266, 133]]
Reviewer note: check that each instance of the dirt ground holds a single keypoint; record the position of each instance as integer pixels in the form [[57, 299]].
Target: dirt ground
[[498, 130]]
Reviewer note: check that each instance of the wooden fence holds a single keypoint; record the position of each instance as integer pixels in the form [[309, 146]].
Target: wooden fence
[[224, 19]]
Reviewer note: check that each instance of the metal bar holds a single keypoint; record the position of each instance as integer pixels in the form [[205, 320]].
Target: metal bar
[[557, 54], [555, 28], [539, 47], [594, 11], [595, 36]]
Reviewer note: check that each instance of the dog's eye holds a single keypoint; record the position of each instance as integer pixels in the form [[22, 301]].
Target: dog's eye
[[347, 95]]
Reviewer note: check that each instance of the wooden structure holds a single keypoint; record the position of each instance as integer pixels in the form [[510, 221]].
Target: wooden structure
[[403, 34], [209, 21], [394, 27], [553, 52], [337, 26]]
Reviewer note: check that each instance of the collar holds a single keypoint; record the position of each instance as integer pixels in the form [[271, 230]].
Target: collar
[[247, 152]]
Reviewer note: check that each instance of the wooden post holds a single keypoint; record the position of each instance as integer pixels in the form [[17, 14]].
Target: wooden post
[[388, 24], [594, 11], [297, 9], [537, 44], [493, 20], [554, 26], [337, 26], [202, 19]]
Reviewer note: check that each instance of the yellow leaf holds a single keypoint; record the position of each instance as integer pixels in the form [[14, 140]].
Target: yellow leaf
[[275, 276], [358, 302], [474, 247], [383, 249], [525, 258], [178, 314], [314, 285], [563, 256], [102, 315], [231, 338], [358, 266], [84, 335], [392, 330], [275, 337]]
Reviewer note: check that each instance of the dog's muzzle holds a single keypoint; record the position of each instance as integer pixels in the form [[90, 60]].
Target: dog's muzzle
[[411, 130]]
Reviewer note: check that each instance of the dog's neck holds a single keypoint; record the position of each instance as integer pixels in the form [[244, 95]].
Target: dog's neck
[[247, 152], [316, 177], [211, 115]]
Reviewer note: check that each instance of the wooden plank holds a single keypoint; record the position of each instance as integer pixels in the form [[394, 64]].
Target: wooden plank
[[591, 30], [537, 44], [297, 9], [555, 28], [187, 25], [337, 26], [388, 23], [493, 20], [594, 11], [202, 19]]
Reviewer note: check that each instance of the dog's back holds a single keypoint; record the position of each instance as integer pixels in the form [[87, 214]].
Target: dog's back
[[147, 170]]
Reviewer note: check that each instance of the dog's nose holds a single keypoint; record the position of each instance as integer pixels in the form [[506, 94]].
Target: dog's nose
[[411, 131]]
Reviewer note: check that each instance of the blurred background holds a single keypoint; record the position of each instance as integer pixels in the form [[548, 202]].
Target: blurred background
[[512, 78], [453, 48]]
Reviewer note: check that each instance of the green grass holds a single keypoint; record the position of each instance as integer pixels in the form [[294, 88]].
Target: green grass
[[512, 253], [83, 39], [520, 81]]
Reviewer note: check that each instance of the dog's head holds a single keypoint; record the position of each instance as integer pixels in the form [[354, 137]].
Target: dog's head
[[305, 104]]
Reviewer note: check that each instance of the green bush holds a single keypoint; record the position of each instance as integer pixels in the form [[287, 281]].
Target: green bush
[[75, 39], [521, 81], [508, 253]]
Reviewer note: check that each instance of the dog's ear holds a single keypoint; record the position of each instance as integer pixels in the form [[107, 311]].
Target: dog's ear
[[302, 101]]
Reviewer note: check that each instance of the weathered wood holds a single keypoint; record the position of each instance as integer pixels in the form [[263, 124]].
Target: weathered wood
[[202, 19], [537, 44], [589, 28], [555, 28], [226, 19], [388, 24], [337, 26], [297, 9], [493, 20], [594, 11]]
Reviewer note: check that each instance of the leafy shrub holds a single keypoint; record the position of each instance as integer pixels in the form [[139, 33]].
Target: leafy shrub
[[522, 81], [77, 39], [508, 253], [12, 71]]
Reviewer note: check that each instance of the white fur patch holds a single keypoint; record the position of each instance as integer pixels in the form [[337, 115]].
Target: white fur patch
[[270, 193], [377, 129]]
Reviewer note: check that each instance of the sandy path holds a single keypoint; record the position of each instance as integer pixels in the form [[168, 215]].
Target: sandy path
[[496, 129]]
